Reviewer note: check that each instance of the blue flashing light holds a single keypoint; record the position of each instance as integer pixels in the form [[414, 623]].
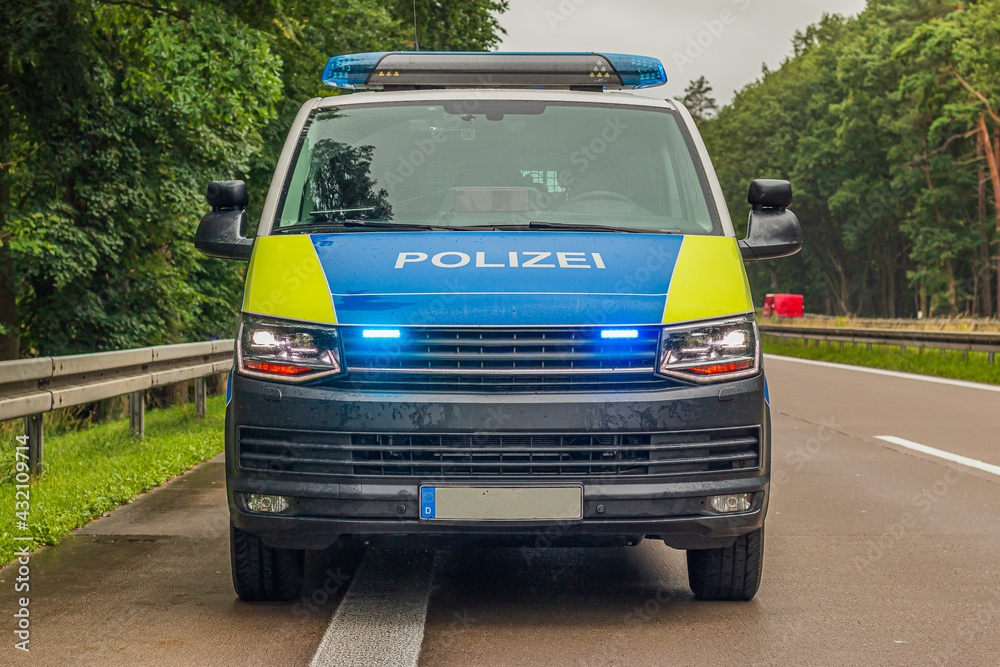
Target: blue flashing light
[[351, 71], [407, 69], [380, 333], [620, 333], [638, 71]]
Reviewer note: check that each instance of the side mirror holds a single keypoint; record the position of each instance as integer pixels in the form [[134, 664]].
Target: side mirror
[[773, 230], [222, 233]]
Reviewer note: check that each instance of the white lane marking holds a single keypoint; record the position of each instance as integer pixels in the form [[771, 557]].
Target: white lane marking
[[380, 621], [940, 453], [895, 374]]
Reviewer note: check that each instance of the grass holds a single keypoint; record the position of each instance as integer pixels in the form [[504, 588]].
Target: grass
[[940, 363], [928, 324], [91, 472]]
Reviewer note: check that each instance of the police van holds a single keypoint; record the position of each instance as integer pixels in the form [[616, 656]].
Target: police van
[[495, 298]]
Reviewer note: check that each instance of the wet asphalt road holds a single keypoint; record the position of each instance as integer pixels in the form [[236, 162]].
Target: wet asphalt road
[[875, 555]]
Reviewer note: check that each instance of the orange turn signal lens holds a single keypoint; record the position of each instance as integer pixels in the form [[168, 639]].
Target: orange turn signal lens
[[276, 369], [722, 368]]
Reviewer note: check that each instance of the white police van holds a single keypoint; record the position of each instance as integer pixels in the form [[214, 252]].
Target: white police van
[[496, 299]]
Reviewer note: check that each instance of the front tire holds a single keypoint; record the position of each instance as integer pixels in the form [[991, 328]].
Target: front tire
[[263, 573], [731, 573]]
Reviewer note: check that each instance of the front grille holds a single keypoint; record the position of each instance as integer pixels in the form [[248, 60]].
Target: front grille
[[465, 456], [497, 359]]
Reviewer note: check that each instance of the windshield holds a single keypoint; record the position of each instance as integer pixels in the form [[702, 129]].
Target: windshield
[[480, 164]]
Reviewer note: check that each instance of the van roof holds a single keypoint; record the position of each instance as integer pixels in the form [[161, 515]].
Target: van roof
[[621, 98]]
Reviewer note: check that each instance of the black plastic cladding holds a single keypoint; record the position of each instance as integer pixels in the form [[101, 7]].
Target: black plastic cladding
[[636, 505]]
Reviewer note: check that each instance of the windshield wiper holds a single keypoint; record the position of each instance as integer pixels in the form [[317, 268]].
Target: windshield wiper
[[369, 224], [404, 226], [569, 226]]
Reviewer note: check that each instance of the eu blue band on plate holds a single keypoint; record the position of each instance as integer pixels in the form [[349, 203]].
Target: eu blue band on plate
[[427, 509]]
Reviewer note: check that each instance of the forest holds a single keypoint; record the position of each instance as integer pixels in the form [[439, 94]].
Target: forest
[[888, 126], [115, 115]]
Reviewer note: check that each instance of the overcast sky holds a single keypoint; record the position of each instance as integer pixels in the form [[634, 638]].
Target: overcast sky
[[725, 40]]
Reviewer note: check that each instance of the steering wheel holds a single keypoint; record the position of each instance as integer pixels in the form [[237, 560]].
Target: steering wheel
[[602, 194]]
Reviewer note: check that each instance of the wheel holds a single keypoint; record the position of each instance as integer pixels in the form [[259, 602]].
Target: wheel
[[263, 573], [730, 573]]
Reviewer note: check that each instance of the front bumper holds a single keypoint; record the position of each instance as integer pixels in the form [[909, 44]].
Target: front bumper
[[668, 507]]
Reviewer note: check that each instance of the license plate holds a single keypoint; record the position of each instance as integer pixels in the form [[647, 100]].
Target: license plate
[[494, 503]]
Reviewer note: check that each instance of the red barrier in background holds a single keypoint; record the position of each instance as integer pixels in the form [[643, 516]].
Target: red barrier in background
[[783, 305]]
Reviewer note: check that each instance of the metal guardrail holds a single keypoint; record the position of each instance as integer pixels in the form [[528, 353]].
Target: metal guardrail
[[964, 341], [31, 387]]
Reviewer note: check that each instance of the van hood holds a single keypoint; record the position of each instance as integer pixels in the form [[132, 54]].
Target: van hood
[[496, 278]]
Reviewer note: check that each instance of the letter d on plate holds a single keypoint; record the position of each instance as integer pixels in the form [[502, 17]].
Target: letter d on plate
[[427, 502]]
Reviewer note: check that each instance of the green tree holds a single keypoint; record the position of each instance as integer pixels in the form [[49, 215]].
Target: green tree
[[125, 110], [953, 93], [699, 100], [450, 25], [886, 124], [113, 118]]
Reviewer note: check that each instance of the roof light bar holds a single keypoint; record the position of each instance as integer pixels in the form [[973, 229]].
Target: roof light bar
[[638, 71], [351, 71], [439, 69]]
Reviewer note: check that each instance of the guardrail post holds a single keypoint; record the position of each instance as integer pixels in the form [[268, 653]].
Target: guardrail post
[[992, 356], [33, 429], [200, 397], [137, 413]]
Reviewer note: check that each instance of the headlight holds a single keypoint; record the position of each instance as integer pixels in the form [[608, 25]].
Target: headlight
[[711, 351], [277, 349]]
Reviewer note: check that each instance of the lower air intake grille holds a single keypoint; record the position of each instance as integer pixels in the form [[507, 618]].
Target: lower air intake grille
[[464, 456]]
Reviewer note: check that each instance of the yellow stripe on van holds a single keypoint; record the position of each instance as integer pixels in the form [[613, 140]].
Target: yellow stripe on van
[[285, 279], [709, 281]]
